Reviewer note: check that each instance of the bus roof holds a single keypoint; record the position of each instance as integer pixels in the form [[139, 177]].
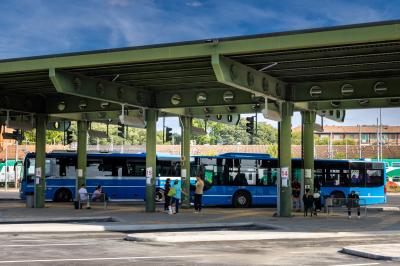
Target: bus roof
[[105, 154]]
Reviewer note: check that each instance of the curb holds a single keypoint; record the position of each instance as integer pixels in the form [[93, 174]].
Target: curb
[[384, 209], [57, 220], [363, 254], [189, 227]]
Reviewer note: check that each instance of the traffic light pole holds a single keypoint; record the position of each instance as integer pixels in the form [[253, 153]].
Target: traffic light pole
[[151, 133], [82, 156], [40, 162]]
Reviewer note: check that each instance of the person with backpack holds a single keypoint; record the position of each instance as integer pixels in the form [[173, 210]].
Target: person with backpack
[[353, 201], [308, 201], [167, 199], [176, 194]]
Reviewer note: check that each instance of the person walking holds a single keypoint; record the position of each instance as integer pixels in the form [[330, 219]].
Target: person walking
[[353, 201], [176, 198], [198, 194], [167, 198]]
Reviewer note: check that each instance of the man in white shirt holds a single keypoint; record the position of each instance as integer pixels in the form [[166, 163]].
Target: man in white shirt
[[83, 195]]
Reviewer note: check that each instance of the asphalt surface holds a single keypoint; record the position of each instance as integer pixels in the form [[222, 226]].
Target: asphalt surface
[[107, 248], [111, 249]]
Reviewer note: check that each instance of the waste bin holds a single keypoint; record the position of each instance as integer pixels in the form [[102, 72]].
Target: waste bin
[[29, 199]]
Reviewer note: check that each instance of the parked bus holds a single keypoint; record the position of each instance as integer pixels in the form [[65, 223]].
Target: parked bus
[[250, 179], [237, 179], [122, 176]]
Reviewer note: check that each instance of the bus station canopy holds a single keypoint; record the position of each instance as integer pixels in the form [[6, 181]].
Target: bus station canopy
[[346, 67]]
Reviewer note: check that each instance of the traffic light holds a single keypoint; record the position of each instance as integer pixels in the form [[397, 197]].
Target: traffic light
[[69, 137], [168, 134], [250, 125], [17, 135], [121, 130]]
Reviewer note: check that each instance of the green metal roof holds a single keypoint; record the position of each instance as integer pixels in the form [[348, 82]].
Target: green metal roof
[[364, 56]]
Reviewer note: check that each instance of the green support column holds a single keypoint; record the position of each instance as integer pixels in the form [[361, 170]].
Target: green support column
[[185, 168], [285, 160], [40, 162], [82, 155], [151, 163], [308, 122]]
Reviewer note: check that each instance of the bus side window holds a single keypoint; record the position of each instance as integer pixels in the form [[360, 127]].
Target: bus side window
[[67, 166], [374, 178], [93, 168], [136, 168]]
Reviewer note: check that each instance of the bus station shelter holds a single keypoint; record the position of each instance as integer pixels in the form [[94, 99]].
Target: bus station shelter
[[316, 72]]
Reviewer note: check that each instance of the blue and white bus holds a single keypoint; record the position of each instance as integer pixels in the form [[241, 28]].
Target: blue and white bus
[[237, 179], [244, 179], [122, 176]]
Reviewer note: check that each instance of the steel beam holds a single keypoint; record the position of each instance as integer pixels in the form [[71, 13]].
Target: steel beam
[[82, 156], [285, 161], [237, 75], [337, 36], [67, 104], [356, 104], [40, 161], [361, 90], [98, 89], [203, 98], [186, 124], [151, 163]]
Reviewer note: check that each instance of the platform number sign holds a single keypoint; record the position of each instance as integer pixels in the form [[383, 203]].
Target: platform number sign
[[285, 176]]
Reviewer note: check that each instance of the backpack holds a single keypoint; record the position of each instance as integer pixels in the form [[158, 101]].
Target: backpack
[[171, 192]]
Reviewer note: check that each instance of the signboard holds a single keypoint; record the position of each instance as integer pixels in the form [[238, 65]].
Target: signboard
[[79, 172], [285, 176], [38, 171], [183, 174], [307, 173], [149, 175]]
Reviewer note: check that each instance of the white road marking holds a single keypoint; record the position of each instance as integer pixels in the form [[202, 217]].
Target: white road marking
[[45, 245], [100, 259], [357, 264]]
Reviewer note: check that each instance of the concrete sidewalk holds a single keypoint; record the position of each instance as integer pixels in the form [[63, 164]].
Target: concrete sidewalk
[[376, 251], [218, 236], [117, 227], [134, 214]]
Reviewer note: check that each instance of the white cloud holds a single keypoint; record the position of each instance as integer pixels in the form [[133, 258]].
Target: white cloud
[[194, 3]]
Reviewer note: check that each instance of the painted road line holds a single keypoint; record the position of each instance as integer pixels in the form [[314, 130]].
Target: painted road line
[[101, 259], [357, 264], [48, 245]]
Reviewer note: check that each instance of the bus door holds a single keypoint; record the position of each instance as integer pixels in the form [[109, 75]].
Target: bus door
[[134, 179], [370, 182], [266, 181], [218, 177]]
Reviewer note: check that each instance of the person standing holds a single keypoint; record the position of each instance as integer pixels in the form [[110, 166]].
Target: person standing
[[178, 195], [167, 198], [353, 201], [198, 194]]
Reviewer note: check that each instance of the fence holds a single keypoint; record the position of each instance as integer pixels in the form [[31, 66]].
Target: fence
[[337, 205]]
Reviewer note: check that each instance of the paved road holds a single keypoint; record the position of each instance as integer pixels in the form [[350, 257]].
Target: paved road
[[111, 249]]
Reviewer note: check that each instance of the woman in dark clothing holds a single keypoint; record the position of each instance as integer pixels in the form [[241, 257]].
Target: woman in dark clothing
[[167, 187], [308, 201]]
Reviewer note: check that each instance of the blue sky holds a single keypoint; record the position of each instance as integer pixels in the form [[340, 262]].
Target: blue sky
[[37, 27]]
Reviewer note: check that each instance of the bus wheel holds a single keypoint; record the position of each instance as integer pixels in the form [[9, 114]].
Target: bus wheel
[[159, 197], [338, 198], [242, 199], [63, 195]]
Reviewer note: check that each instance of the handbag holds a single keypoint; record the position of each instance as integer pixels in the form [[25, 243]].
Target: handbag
[[171, 192]]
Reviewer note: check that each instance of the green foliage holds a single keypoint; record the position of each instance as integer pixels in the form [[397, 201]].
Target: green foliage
[[340, 155], [343, 142], [273, 150]]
